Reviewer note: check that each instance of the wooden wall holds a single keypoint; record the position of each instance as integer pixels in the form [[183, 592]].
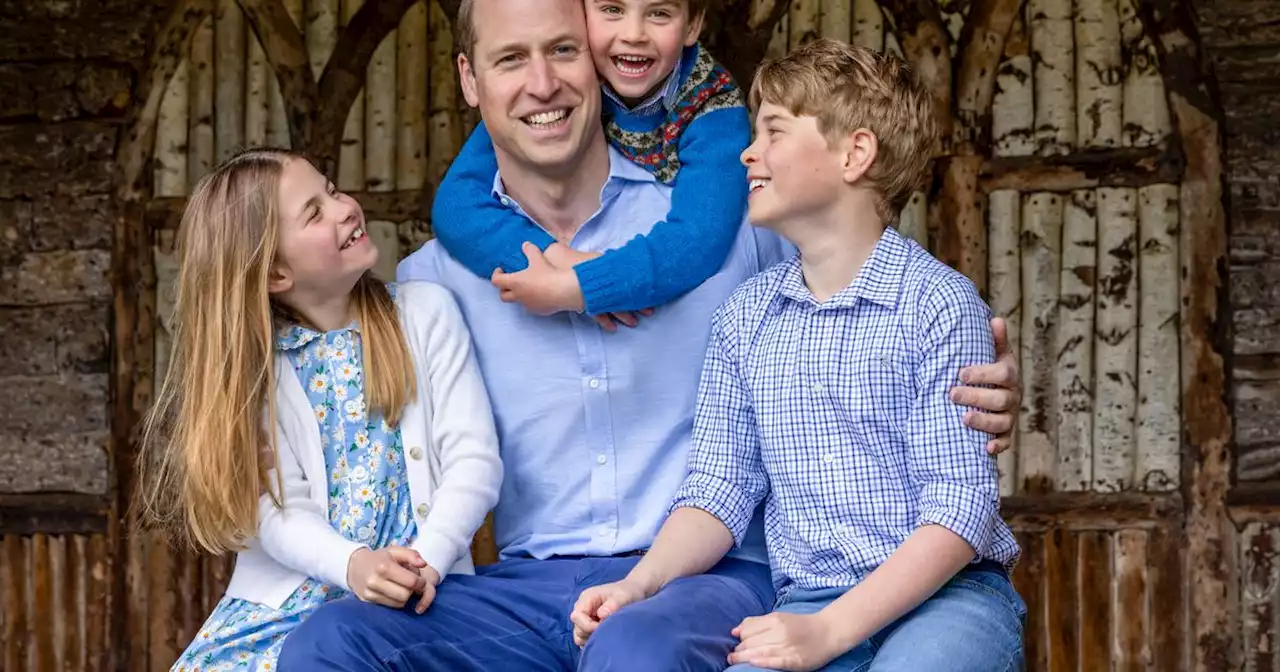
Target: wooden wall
[[1075, 186]]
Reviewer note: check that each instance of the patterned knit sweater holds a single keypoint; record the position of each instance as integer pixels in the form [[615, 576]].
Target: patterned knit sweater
[[693, 145]]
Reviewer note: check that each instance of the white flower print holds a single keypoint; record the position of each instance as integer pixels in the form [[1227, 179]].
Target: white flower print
[[347, 524], [355, 511], [374, 463], [319, 382], [360, 474], [346, 371], [362, 439], [392, 484], [376, 448], [364, 493], [340, 392], [321, 413]]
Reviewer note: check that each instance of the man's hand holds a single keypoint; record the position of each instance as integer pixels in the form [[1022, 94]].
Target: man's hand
[[431, 579], [1002, 402], [782, 641], [388, 576], [541, 288], [609, 321], [600, 602]]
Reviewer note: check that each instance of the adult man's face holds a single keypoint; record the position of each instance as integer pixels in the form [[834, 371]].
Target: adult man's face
[[532, 77]]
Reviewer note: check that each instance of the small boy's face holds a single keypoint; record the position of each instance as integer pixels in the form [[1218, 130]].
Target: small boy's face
[[792, 171], [635, 43]]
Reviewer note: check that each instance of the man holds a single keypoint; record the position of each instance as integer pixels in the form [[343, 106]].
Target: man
[[594, 427]]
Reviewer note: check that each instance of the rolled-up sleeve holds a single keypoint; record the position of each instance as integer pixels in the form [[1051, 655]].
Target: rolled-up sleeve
[[726, 476], [957, 479]]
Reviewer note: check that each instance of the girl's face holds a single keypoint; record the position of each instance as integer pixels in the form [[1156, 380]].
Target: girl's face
[[323, 247]]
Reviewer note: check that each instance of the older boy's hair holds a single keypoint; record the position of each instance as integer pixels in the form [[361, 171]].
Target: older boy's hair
[[465, 31], [847, 88]]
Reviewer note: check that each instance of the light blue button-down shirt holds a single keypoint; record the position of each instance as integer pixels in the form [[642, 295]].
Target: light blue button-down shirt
[[837, 415], [595, 427]]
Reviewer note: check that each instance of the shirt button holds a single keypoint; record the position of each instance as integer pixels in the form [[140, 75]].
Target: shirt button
[[601, 459], [817, 387], [422, 510], [828, 458], [505, 201], [415, 453], [594, 383]]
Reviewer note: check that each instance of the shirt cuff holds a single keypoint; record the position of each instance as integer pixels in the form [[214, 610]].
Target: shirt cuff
[[967, 511], [437, 550], [333, 564], [720, 498], [605, 290]]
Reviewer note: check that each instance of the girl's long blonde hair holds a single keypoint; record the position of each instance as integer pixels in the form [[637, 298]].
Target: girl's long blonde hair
[[204, 456]]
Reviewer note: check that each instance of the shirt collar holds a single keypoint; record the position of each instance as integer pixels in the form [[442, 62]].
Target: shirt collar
[[621, 171], [664, 99], [295, 336], [878, 281]]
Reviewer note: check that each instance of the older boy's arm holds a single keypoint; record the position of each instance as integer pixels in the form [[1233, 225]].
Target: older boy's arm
[[712, 509]]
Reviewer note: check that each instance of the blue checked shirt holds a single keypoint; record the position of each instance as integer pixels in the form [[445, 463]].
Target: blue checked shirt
[[837, 415]]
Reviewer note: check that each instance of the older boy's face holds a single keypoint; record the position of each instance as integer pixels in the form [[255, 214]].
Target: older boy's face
[[794, 174], [532, 77], [635, 43]]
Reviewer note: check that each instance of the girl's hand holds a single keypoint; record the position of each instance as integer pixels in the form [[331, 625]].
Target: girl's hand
[[782, 641], [432, 579], [388, 576]]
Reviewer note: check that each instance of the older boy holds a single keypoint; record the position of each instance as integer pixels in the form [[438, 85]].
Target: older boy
[[824, 394]]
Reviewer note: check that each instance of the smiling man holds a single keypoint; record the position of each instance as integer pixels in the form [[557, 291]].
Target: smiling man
[[594, 427]]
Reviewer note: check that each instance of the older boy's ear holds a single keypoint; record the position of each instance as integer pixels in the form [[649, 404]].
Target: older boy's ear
[[861, 148], [467, 78], [694, 31]]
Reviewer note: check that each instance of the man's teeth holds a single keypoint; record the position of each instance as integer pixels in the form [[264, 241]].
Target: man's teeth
[[546, 118], [632, 65], [757, 183], [355, 237]]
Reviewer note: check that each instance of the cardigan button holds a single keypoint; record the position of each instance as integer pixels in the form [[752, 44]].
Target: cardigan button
[[415, 453], [422, 510]]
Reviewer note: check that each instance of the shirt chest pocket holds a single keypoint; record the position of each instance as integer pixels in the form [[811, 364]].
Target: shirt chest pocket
[[880, 392]]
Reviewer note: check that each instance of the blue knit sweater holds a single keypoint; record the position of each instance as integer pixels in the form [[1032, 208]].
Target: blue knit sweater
[[695, 146]]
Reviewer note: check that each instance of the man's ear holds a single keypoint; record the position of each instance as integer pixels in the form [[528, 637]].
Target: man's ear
[[694, 31], [860, 150], [467, 77]]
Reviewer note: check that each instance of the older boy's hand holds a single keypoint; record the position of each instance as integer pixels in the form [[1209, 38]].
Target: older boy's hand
[[600, 602], [541, 288], [1000, 402], [782, 641]]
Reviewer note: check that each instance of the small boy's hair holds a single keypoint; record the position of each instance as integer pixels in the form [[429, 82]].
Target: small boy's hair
[[465, 32], [848, 87]]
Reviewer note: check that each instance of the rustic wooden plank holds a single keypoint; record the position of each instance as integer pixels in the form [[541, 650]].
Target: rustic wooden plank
[[1012, 108], [41, 620], [1053, 66], [52, 513], [74, 578], [229, 66], [1159, 436], [1028, 579], [217, 572], [1082, 510], [1074, 369], [412, 63], [1041, 264], [201, 147], [1116, 349], [1099, 96], [98, 603], [191, 612], [1258, 596], [1124, 167], [1169, 617], [1094, 563], [1131, 616], [926, 46], [1060, 576], [161, 604], [59, 618], [1004, 260], [980, 47], [962, 236], [15, 608]]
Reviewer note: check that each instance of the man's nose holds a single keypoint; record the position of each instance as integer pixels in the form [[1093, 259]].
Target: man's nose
[[542, 81]]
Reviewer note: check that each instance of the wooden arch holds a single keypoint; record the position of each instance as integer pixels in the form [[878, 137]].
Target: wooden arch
[[739, 31]]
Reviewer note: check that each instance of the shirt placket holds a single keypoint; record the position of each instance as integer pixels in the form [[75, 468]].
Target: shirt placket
[[602, 453]]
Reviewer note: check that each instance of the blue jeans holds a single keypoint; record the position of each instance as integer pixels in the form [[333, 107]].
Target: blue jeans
[[514, 615], [972, 624]]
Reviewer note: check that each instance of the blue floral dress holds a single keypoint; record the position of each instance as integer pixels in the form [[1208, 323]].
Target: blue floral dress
[[368, 500]]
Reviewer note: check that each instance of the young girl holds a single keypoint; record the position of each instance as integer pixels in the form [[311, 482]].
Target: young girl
[[333, 431]]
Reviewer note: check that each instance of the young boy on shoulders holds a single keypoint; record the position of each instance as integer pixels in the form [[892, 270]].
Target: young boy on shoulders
[[669, 108], [824, 395]]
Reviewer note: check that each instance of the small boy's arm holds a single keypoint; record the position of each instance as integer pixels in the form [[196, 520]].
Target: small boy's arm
[[298, 535], [463, 433], [680, 253], [947, 463], [473, 226]]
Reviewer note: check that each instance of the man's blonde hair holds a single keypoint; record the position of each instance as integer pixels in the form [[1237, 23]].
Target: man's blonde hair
[[846, 88]]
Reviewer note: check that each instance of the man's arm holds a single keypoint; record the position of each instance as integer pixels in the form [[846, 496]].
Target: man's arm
[[997, 404]]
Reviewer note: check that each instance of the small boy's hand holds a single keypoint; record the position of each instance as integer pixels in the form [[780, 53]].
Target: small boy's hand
[[563, 256], [388, 576], [542, 288], [431, 579], [782, 641], [600, 602], [1001, 401]]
